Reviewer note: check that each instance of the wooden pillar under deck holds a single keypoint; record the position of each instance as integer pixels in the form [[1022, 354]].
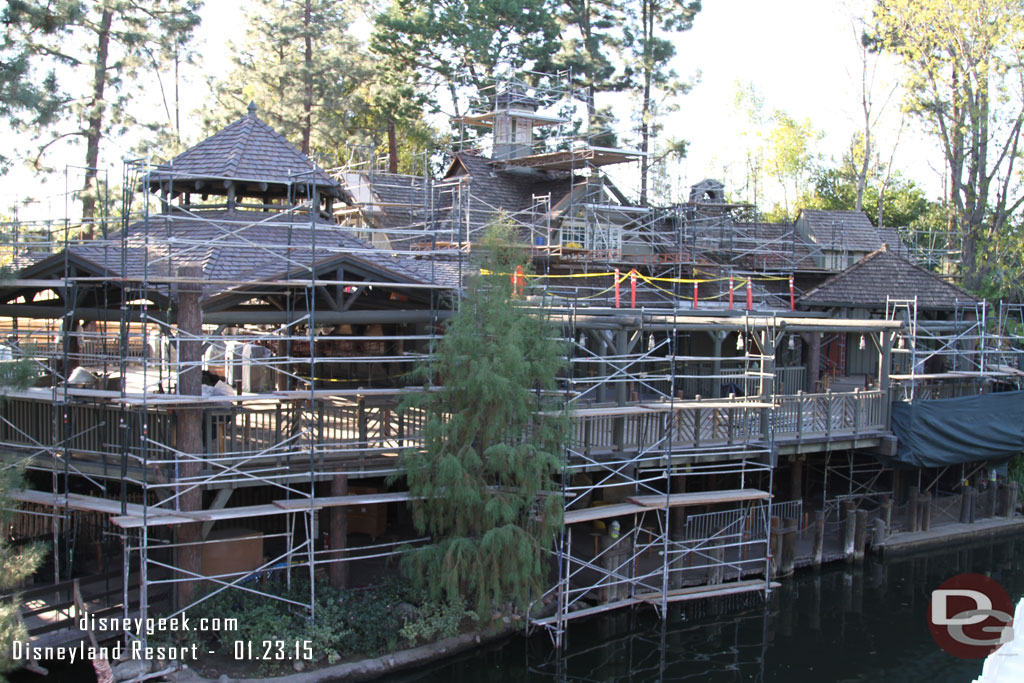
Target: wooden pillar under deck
[[339, 533], [188, 427]]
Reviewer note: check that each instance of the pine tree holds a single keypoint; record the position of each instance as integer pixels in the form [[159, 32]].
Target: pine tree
[[313, 82], [103, 44], [648, 49], [484, 485]]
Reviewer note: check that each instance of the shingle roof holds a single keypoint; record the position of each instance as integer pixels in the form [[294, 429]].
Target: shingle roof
[[246, 150], [883, 274], [842, 230], [240, 246]]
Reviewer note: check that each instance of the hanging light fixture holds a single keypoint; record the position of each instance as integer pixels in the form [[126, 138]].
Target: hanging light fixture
[[792, 343], [862, 344], [739, 341], [650, 343], [900, 344], [583, 340]]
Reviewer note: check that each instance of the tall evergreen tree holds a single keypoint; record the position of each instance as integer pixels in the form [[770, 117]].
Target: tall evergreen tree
[[484, 484], [649, 31], [30, 97], [103, 44], [453, 43], [963, 62], [313, 82]]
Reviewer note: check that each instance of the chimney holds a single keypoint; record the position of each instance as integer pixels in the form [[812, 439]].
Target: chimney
[[513, 134]]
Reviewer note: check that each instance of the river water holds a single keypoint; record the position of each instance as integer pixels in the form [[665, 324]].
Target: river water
[[865, 623]]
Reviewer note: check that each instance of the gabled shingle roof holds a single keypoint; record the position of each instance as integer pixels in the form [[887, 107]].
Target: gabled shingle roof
[[247, 150], [882, 273], [242, 246], [841, 230]]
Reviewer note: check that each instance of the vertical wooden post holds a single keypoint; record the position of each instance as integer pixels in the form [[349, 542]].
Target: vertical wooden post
[[860, 535], [775, 546], [965, 505], [796, 479], [813, 343], [885, 512], [819, 536], [788, 546], [338, 570], [189, 427], [924, 521], [912, 509], [849, 529]]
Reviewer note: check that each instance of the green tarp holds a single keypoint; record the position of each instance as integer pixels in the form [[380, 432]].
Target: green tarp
[[952, 431]]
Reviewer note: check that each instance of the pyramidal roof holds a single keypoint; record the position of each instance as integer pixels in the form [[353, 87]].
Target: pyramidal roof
[[882, 273], [249, 153]]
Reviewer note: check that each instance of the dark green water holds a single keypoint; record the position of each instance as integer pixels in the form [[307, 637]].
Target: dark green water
[[861, 624]]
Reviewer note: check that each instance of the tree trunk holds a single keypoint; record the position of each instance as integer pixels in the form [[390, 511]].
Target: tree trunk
[[189, 430], [645, 124], [94, 131], [307, 101]]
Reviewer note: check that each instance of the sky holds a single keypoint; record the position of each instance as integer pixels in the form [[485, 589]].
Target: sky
[[801, 56]]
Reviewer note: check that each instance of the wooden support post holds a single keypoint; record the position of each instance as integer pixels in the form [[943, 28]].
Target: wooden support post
[[718, 569], [972, 504], [1014, 494], [990, 499], [812, 342], [788, 546], [619, 421], [965, 505], [677, 533], [796, 479], [924, 521], [338, 570], [188, 427], [849, 529], [361, 425], [878, 533], [860, 535], [885, 512], [775, 546], [819, 536], [912, 509]]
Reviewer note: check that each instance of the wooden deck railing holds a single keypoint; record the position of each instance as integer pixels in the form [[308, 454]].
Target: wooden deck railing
[[289, 433]]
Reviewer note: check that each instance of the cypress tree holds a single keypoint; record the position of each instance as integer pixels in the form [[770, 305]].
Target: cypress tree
[[485, 483]]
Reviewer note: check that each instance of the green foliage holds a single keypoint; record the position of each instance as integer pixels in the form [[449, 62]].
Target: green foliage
[[962, 62], [331, 101], [781, 155], [483, 486], [349, 622], [903, 205], [102, 47], [435, 620], [16, 565], [447, 43]]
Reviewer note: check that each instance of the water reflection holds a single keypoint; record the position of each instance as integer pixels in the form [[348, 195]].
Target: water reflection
[[841, 624]]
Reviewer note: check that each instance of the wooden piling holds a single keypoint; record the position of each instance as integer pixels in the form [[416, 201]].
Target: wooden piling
[[788, 548], [188, 427], [849, 529], [819, 536], [774, 546], [885, 512], [965, 505], [924, 521], [912, 509], [338, 570], [860, 534]]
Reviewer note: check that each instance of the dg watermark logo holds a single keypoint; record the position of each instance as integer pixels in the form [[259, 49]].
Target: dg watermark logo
[[970, 615]]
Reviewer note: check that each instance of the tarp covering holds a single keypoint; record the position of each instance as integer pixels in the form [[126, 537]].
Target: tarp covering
[[952, 431]]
